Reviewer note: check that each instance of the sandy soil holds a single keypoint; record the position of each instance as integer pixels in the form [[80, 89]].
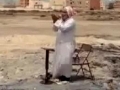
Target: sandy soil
[[32, 25], [22, 59]]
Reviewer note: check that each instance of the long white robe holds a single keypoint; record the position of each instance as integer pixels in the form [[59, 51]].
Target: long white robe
[[65, 45]]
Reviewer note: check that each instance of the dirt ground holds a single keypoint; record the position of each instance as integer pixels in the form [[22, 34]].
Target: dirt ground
[[22, 59]]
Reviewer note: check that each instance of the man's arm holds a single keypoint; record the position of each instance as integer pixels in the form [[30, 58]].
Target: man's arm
[[67, 26], [57, 25]]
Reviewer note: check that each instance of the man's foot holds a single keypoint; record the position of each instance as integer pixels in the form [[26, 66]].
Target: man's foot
[[63, 78]]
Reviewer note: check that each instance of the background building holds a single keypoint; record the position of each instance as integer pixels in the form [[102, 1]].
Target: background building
[[79, 4], [24, 3], [95, 4], [57, 4], [84, 4], [60, 4], [38, 4], [116, 4], [1, 5], [103, 6], [9, 4]]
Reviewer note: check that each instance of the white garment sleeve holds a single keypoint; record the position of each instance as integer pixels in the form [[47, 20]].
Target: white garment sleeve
[[67, 26]]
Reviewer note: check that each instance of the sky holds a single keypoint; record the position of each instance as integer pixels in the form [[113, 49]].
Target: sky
[[16, 1]]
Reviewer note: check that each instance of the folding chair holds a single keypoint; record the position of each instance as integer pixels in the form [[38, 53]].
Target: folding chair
[[80, 58]]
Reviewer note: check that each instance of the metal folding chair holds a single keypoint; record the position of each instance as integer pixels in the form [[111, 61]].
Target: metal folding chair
[[80, 58]]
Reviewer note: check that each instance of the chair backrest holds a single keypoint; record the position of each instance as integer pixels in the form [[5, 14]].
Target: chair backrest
[[82, 53], [86, 47]]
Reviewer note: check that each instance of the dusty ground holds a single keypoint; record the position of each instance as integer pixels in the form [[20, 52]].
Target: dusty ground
[[22, 59]]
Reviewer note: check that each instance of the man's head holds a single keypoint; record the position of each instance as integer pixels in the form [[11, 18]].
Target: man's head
[[67, 13], [64, 15]]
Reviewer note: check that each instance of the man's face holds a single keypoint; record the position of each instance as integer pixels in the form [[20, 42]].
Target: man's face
[[64, 15]]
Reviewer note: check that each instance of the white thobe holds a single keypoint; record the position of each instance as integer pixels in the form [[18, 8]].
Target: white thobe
[[65, 45]]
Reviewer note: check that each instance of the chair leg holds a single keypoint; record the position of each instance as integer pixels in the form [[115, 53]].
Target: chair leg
[[79, 70], [82, 70], [90, 70]]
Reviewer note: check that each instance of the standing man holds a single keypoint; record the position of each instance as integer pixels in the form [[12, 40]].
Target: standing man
[[65, 45]]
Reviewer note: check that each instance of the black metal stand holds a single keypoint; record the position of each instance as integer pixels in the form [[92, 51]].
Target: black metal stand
[[47, 66]]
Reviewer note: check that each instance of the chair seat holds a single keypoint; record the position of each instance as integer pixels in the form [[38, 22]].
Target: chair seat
[[80, 63]]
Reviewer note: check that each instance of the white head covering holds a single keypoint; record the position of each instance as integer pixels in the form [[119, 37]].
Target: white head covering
[[70, 11]]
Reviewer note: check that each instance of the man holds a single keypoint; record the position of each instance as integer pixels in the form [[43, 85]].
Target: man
[[65, 45]]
